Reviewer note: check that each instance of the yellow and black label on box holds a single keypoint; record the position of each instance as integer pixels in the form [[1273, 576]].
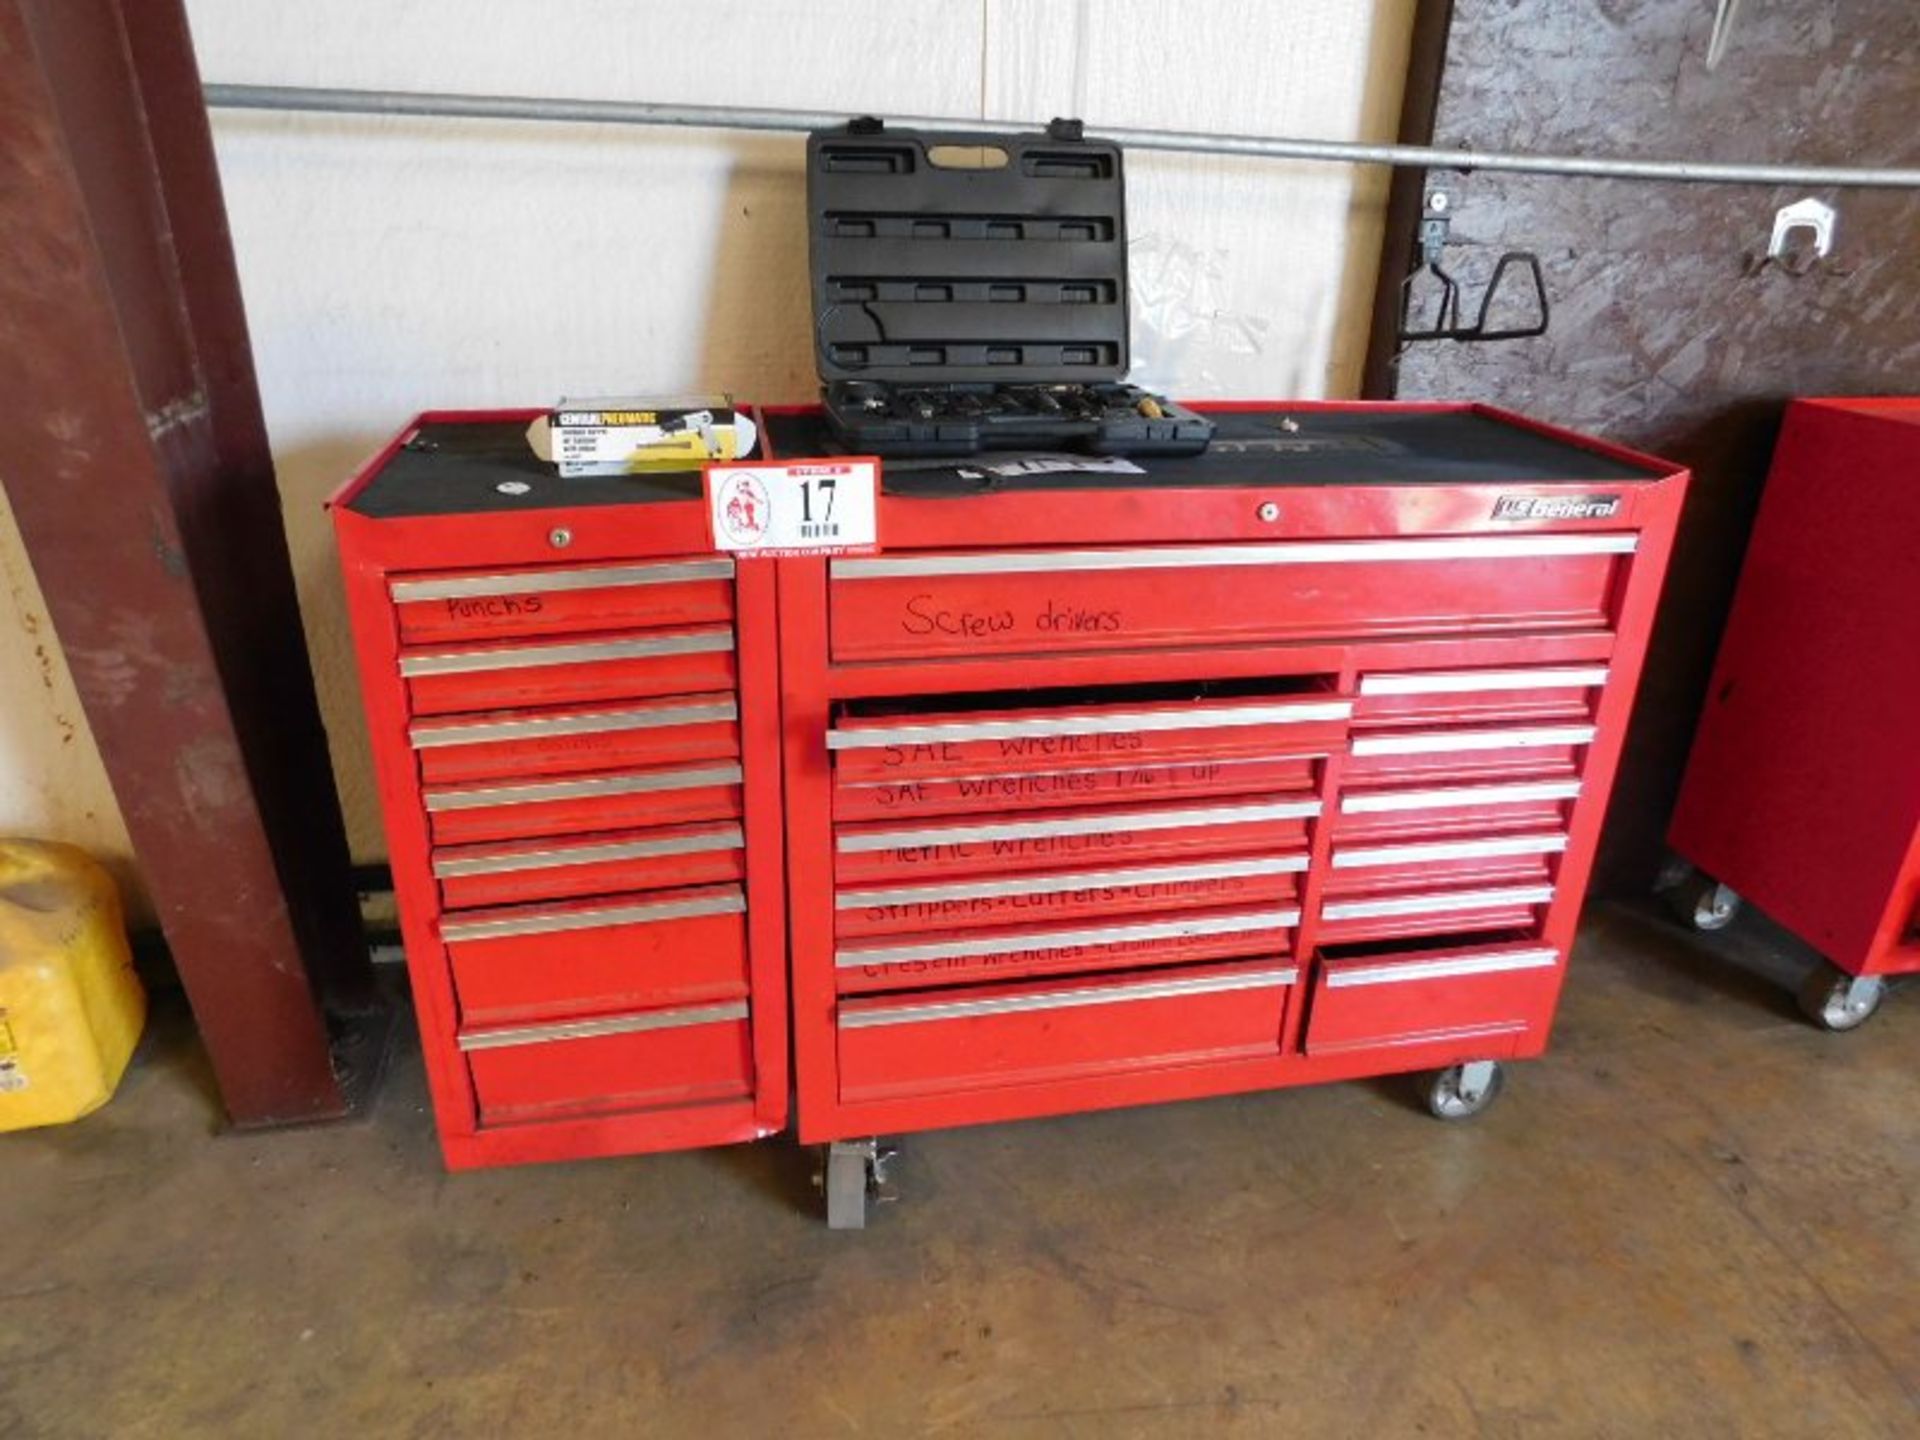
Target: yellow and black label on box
[[633, 435]]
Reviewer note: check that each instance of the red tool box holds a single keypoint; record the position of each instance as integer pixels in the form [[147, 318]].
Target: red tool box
[[574, 709], [1802, 794], [1276, 765]]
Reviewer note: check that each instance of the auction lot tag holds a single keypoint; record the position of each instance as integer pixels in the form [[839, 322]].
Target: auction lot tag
[[799, 507]]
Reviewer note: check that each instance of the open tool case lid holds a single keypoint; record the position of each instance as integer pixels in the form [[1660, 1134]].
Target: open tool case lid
[[935, 274]]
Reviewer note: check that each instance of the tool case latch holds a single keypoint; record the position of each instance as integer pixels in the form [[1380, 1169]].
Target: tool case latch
[[866, 125], [1059, 129]]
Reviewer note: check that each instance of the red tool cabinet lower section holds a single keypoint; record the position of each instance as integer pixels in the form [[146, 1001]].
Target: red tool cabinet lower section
[[574, 710], [1802, 793], [1276, 765]]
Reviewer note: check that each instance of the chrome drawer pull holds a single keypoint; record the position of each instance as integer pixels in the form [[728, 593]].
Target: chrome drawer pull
[[1449, 850], [1081, 880], [1189, 928], [1441, 742], [1451, 682], [532, 657], [612, 1025], [1345, 975], [1111, 724], [429, 735], [1388, 801], [1185, 557], [729, 902], [1067, 999], [1115, 824], [727, 837], [545, 582], [590, 789], [1432, 904]]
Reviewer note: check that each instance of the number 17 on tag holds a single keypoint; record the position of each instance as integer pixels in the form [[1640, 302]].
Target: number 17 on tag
[[799, 507]]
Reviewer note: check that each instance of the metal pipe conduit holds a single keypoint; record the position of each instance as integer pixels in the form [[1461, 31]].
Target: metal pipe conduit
[[1343, 152]]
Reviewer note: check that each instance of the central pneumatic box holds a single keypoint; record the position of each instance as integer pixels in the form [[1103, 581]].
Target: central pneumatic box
[[1276, 765]]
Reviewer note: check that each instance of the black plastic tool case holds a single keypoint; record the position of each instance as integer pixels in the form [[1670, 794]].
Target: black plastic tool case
[[951, 303]]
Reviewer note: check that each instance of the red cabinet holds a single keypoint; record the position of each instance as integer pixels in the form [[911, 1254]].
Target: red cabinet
[[1802, 793], [574, 709], [1282, 764]]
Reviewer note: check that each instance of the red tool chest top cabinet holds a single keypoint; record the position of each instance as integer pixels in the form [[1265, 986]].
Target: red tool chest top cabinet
[[1279, 764], [574, 714], [1802, 792]]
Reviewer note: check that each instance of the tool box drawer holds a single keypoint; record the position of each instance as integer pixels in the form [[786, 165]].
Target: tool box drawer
[[1466, 754], [468, 814], [892, 855], [1477, 910], [1006, 742], [1427, 996], [516, 744], [603, 864], [957, 957], [618, 953], [1448, 810], [1049, 601], [1539, 695], [1047, 789], [1470, 862], [1012, 1035], [651, 1060], [490, 606], [578, 671], [1070, 895]]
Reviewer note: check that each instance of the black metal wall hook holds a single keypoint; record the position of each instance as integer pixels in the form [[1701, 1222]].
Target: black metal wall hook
[[1434, 226], [1447, 324]]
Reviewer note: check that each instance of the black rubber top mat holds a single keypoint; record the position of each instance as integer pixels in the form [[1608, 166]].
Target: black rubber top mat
[[458, 469], [1258, 448]]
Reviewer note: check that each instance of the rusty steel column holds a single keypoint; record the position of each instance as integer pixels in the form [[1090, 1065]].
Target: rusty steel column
[[136, 460]]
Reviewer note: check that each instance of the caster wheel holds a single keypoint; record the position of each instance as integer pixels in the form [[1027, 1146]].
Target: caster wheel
[[856, 1173], [1837, 1001], [1704, 903], [1461, 1092], [846, 1185]]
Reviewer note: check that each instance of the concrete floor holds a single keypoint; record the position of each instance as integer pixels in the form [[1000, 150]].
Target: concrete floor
[[1696, 1217]]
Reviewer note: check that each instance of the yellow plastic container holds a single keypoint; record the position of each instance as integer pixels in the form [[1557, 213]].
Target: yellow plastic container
[[71, 1007]]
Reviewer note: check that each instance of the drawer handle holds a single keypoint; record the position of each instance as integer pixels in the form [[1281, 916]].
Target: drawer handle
[[1451, 682], [531, 657], [1119, 823], [612, 1025], [1388, 801], [1440, 742], [1186, 929], [1111, 724], [427, 736], [451, 867], [1449, 850], [1082, 880], [546, 582], [1431, 904], [1340, 977], [1183, 557], [600, 785], [1066, 999], [550, 922]]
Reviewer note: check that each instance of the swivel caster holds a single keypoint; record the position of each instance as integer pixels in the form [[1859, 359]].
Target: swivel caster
[[1837, 1001], [1461, 1092], [856, 1172], [1703, 902]]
